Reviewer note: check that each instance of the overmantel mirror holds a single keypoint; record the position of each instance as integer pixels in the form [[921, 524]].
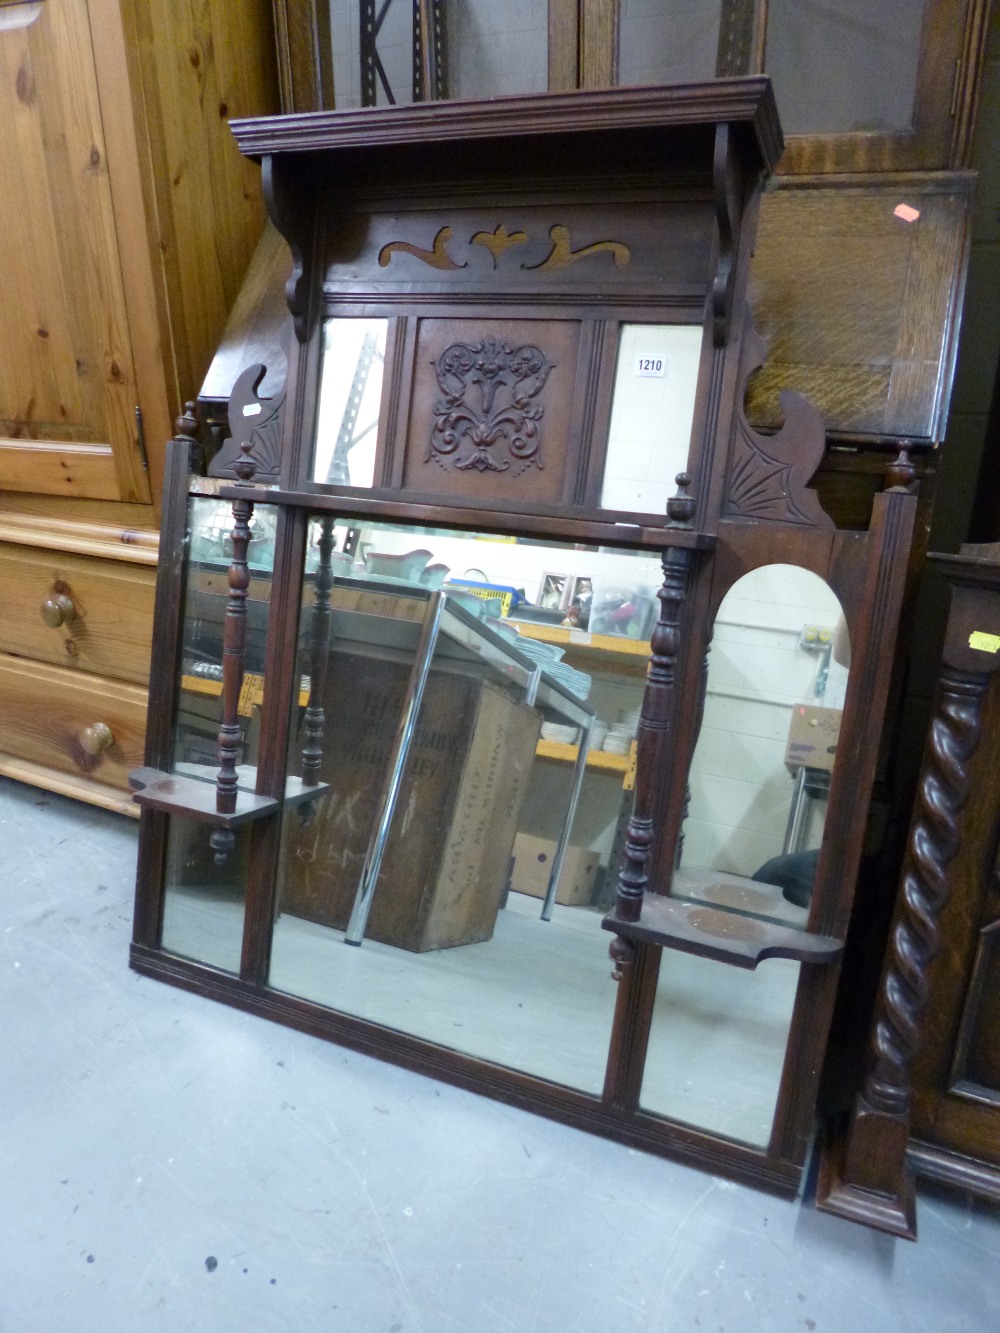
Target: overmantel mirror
[[439, 728]]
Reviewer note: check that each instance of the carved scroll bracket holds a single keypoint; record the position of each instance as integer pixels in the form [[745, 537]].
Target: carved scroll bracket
[[768, 475], [292, 212], [254, 429], [727, 217]]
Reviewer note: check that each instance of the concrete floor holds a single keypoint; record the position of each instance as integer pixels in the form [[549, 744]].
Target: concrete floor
[[170, 1164]]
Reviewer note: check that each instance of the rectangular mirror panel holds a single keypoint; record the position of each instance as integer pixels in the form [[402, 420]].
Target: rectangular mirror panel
[[203, 902], [350, 396], [475, 730], [717, 1044], [651, 415]]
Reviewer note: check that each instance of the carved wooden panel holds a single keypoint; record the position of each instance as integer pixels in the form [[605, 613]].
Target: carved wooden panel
[[652, 250], [255, 422], [491, 409]]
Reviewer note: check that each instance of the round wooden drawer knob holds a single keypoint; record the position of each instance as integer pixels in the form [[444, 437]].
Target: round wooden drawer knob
[[58, 610], [95, 738]]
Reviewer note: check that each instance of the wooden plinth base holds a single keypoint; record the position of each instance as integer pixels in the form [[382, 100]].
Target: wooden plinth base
[[895, 1214]]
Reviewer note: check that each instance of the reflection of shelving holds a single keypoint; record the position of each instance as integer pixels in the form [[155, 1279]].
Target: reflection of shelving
[[251, 694], [600, 760], [593, 652]]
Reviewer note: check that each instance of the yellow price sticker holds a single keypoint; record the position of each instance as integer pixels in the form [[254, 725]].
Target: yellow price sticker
[[985, 643]]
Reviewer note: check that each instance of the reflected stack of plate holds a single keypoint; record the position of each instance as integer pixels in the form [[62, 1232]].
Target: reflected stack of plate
[[577, 682], [557, 731], [622, 733], [548, 655]]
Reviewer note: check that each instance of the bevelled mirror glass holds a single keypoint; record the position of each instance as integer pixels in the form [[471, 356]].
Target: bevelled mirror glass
[[652, 410], [760, 774], [758, 785], [350, 395], [203, 898], [468, 706]]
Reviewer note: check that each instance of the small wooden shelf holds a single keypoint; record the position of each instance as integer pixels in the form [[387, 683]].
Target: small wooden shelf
[[595, 651], [599, 760], [194, 798], [727, 937]]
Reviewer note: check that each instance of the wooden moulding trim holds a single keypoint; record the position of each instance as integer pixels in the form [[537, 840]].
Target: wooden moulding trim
[[551, 523], [966, 570], [747, 100], [726, 937], [64, 784], [892, 182], [932, 1162], [138, 546], [649, 1133], [44, 467]]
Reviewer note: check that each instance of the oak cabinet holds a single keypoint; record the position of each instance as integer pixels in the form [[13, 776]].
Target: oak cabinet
[[929, 1104], [860, 88], [129, 218]]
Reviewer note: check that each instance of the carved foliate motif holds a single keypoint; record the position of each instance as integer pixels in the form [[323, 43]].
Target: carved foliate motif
[[488, 417], [769, 475], [437, 256], [561, 252]]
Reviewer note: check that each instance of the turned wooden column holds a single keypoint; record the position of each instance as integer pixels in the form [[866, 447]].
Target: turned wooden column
[[223, 840], [314, 721], [657, 707]]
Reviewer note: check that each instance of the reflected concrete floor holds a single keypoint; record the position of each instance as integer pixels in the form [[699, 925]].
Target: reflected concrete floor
[[536, 997], [171, 1164]]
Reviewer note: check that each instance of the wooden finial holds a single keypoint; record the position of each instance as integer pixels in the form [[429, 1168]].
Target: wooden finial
[[246, 465], [186, 424], [680, 507], [222, 841], [622, 954], [901, 472]]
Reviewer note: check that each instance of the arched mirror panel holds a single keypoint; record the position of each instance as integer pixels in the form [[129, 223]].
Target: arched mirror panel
[[757, 798]]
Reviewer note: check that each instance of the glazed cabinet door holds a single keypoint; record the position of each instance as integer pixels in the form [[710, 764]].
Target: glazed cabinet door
[[860, 87], [68, 395]]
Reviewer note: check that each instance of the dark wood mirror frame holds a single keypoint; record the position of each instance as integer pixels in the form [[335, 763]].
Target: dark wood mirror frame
[[382, 210]]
